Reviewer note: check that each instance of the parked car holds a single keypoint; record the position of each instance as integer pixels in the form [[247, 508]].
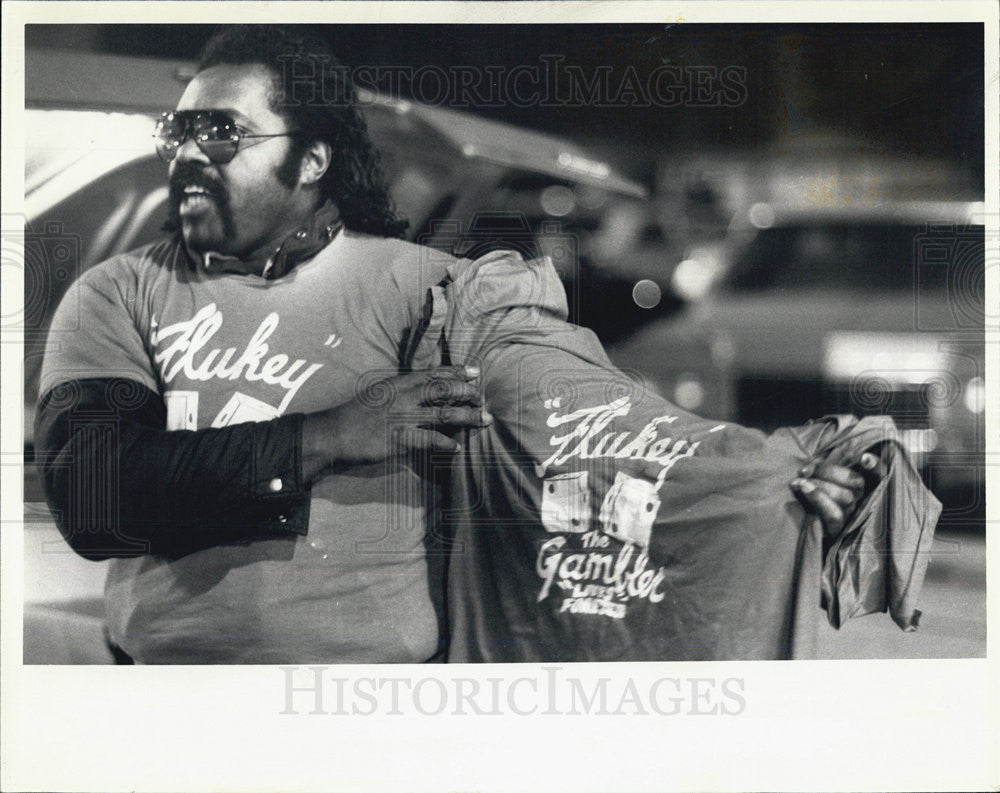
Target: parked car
[[94, 188], [815, 309]]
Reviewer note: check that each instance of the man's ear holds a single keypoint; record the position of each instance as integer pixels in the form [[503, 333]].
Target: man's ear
[[315, 162]]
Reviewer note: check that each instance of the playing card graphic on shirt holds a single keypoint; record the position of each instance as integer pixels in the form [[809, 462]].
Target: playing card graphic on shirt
[[242, 408], [566, 503], [182, 410], [629, 509]]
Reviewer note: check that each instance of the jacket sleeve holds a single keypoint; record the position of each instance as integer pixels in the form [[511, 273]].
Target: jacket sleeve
[[119, 484]]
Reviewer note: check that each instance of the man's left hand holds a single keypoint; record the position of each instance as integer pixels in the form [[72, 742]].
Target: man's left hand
[[832, 491]]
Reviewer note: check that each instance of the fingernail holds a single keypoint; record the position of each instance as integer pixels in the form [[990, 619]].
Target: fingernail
[[804, 485], [487, 417], [472, 371], [807, 470]]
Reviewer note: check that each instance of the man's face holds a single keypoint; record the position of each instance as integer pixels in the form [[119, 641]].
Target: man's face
[[240, 208]]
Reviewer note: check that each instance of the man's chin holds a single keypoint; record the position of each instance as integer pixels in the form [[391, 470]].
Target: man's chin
[[201, 241]]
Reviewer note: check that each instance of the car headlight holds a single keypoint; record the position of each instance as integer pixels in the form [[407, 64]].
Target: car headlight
[[975, 395]]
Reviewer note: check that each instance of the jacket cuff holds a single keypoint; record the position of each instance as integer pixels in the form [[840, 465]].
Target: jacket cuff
[[276, 482]]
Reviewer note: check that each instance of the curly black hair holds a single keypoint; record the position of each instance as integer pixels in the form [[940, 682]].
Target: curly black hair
[[314, 92]]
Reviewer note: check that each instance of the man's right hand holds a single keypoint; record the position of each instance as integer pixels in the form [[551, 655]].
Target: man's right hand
[[408, 413]]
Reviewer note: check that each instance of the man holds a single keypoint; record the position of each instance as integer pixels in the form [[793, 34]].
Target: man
[[254, 542], [230, 424]]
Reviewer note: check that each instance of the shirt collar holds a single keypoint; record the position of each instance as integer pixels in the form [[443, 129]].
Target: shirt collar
[[303, 243]]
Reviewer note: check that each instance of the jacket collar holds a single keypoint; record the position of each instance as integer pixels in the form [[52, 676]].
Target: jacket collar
[[303, 243]]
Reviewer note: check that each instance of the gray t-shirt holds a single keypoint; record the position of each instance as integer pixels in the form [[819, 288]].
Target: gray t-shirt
[[223, 349]]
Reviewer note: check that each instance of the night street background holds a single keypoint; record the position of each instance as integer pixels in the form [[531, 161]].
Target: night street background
[[902, 88]]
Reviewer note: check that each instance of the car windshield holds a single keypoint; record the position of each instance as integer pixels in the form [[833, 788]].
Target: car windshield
[[846, 256]]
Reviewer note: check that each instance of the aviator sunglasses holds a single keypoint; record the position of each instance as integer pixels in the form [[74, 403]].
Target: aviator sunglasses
[[215, 133]]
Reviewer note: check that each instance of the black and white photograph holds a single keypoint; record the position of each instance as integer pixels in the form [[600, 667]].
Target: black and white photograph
[[500, 373]]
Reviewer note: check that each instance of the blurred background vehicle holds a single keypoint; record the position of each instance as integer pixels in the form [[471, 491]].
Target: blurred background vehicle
[[809, 308]]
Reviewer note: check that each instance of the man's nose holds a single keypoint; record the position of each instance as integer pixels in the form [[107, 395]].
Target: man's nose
[[189, 152]]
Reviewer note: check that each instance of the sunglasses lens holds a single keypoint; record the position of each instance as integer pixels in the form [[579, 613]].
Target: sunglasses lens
[[169, 135], [220, 151], [214, 133]]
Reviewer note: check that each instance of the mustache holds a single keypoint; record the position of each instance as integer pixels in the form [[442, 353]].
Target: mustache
[[189, 174]]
